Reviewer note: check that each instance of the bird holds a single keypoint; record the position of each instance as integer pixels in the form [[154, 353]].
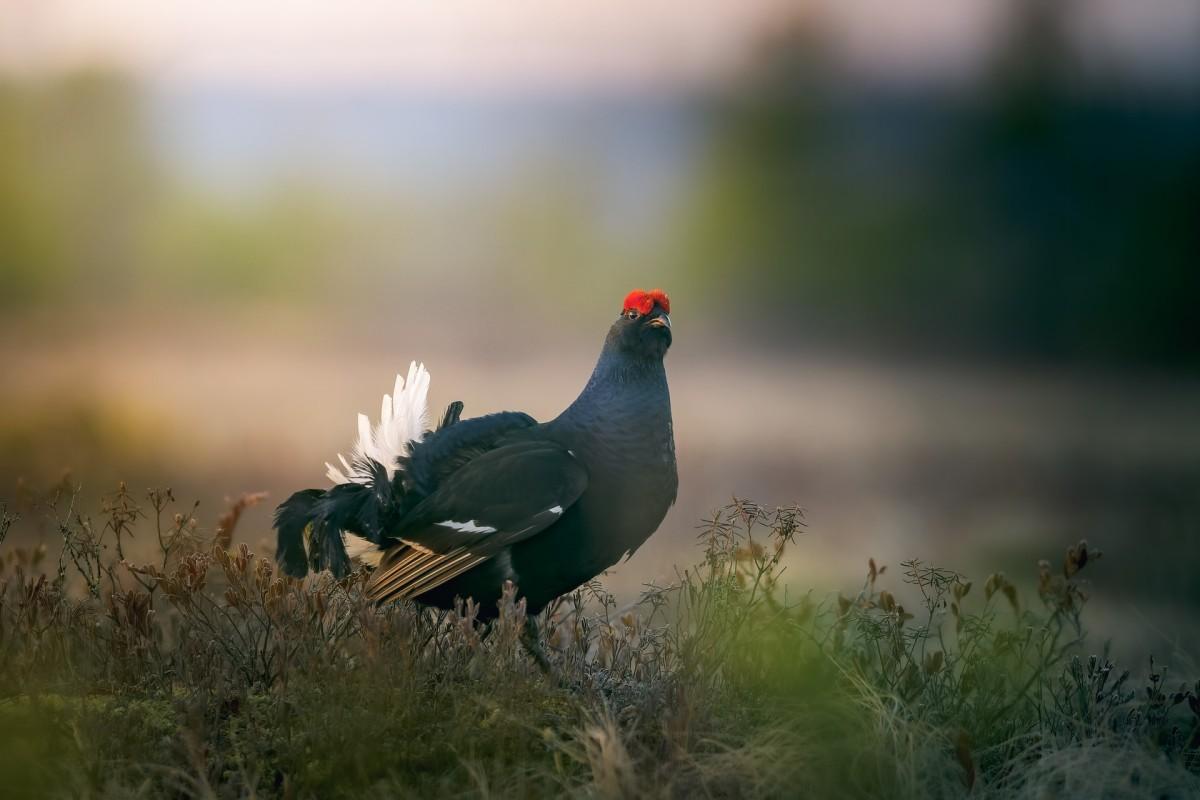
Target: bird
[[456, 512]]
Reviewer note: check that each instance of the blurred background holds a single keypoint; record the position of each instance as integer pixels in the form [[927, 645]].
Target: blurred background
[[934, 265]]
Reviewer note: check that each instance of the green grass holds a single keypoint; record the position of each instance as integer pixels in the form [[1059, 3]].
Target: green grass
[[206, 674]]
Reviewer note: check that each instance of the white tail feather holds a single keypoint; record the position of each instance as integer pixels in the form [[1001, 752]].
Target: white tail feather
[[362, 550], [402, 419]]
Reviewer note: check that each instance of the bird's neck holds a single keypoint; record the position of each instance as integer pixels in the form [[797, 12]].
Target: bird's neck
[[621, 389], [616, 369]]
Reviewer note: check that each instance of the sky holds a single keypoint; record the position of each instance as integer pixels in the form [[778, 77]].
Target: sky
[[530, 44]]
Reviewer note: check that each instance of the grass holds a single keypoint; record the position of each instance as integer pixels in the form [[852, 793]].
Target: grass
[[201, 672]]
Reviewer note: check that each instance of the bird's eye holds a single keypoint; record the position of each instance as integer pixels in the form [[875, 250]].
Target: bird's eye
[[632, 313]]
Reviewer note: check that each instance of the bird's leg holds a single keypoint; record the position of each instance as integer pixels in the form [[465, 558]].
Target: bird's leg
[[532, 641]]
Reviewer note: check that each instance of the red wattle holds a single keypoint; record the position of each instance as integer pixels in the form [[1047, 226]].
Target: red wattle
[[645, 301]]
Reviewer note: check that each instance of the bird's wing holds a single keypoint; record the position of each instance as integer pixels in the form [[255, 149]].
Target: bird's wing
[[444, 452], [495, 500]]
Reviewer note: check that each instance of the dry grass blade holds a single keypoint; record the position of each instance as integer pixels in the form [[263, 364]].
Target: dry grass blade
[[228, 521], [226, 679]]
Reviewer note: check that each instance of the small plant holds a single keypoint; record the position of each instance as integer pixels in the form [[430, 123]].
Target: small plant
[[228, 679]]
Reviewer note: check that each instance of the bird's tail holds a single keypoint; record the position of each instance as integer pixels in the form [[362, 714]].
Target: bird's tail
[[292, 519], [369, 490], [312, 524]]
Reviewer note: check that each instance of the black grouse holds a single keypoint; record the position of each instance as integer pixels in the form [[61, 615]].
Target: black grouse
[[457, 511]]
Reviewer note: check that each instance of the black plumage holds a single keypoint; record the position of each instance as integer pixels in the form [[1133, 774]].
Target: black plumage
[[481, 501]]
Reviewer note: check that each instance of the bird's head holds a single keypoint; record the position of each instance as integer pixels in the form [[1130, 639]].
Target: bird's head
[[644, 327]]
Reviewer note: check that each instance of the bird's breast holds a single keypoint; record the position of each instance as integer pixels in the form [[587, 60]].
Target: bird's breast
[[629, 492]]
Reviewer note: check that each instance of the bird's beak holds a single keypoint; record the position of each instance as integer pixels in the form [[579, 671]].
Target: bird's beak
[[660, 322]]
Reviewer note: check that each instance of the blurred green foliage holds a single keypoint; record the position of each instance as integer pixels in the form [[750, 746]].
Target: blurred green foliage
[[87, 211], [1031, 214], [74, 181]]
